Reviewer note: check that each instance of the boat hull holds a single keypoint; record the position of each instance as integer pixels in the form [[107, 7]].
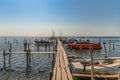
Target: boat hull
[[84, 46]]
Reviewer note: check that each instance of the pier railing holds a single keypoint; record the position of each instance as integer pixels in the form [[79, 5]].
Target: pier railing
[[61, 70]]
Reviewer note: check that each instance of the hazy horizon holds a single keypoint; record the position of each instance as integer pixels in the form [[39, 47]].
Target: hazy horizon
[[65, 17]]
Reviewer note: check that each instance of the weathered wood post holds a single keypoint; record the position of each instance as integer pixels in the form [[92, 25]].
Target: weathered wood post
[[51, 74], [10, 50], [113, 45], [14, 40], [45, 44], [92, 63], [28, 61], [53, 47], [5, 40], [25, 45], [110, 45], [4, 57], [28, 58], [8, 42], [106, 55], [49, 48], [99, 39]]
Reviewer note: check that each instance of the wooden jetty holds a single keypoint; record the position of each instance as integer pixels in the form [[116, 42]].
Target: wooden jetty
[[61, 70]]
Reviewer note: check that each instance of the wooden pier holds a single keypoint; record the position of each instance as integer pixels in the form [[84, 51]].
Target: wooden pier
[[61, 69]]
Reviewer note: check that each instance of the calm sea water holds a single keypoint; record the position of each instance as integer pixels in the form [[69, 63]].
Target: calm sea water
[[41, 64]]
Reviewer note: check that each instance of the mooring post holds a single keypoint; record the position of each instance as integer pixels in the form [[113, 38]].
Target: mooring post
[[14, 40], [92, 63], [17, 41], [29, 56], [5, 40], [109, 45], [49, 48], [53, 47], [28, 61], [10, 50], [25, 45], [4, 57], [38, 46], [8, 42], [45, 46], [113, 45], [100, 40], [51, 74], [106, 55]]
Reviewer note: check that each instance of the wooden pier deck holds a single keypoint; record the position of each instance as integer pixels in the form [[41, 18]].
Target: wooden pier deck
[[61, 70]]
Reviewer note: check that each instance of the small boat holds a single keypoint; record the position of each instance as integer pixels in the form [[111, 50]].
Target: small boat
[[100, 65], [84, 45], [95, 46]]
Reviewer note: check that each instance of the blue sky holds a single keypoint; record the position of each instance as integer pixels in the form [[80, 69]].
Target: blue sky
[[71, 17]]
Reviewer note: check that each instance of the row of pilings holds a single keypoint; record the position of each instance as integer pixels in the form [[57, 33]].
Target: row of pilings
[[49, 46]]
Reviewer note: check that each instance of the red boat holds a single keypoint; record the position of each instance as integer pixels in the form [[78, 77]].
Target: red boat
[[85, 45]]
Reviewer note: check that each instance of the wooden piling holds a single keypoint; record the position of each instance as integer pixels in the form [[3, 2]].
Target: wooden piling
[[110, 45], [28, 61], [51, 74], [10, 50], [5, 40], [46, 47], [106, 55], [49, 49], [25, 45], [113, 45], [4, 57], [92, 67]]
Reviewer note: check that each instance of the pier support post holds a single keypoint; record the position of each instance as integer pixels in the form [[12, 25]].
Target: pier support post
[[28, 61], [45, 46], [5, 40], [25, 45], [110, 45], [106, 55], [38, 46], [113, 45], [51, 74], [10, 50], [92, 64], [4, 57], [49, 48]]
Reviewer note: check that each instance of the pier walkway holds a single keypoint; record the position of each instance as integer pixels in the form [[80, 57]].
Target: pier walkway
[[61, 70]]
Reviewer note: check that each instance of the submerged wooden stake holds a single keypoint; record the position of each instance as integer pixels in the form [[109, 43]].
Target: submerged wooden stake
[[4, 57]]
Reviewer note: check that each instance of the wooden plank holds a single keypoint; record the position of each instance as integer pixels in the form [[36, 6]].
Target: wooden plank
[[64, 76], [97, 76], [30, 52], [58, 77]]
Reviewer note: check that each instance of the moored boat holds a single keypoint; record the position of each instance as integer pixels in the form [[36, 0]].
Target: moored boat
[[82, 44], [96, 46]]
